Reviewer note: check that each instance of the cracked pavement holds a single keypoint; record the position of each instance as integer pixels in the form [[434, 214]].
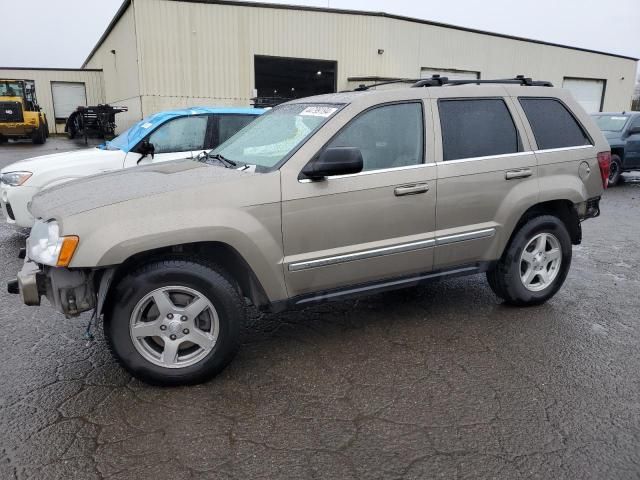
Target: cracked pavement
[[440, 381]]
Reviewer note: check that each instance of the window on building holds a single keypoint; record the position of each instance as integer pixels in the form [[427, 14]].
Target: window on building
[[552, 124], [477, 127], [180, 135], [389, 136]]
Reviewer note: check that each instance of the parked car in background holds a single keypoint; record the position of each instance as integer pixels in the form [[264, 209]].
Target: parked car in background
[[622, 131], [163, 136], [319, 199]]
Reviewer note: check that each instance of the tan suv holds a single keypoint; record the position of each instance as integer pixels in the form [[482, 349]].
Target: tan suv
[[322, 198]]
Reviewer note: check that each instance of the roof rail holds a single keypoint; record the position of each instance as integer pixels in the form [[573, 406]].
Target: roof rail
[[438, 81], [362, 88]]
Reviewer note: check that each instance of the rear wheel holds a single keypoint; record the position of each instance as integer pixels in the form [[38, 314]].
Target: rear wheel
[[535, 264], [615, 171], [175, 322]]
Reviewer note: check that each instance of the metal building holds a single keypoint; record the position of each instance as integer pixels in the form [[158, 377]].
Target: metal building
[[161, 54], [61, 90]]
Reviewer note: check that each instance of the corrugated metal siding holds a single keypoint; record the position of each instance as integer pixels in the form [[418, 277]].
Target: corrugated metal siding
[[205, 51], [93, 82], [120, 70]]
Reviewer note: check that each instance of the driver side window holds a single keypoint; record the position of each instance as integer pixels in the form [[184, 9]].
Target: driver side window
[[388, 137], [180, 135]]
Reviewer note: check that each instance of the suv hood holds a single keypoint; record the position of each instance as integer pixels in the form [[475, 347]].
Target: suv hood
[[79, 158], [122, 185], [613, 137]]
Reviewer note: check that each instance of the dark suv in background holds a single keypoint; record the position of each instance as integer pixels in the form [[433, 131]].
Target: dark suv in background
[[622, 131]]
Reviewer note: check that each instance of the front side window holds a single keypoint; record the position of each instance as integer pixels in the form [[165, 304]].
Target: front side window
[[276, 134], [180, 135], [552, 124], [229, 125], [388, 137], [476, 127]]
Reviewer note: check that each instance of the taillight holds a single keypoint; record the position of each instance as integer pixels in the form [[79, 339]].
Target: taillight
[[604, 162]]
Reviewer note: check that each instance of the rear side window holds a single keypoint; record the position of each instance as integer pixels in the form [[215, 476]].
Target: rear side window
[[476, 127], [552, 124], [229, 125]]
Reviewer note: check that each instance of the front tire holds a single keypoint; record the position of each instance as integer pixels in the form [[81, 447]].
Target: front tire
[[615, 171], [535, 263], [174, 322], [39, 136]]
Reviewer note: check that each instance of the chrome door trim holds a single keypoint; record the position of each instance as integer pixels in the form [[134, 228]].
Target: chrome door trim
[[376, 252], [564, 149], [461, 237], [401, 248], [371, 172]]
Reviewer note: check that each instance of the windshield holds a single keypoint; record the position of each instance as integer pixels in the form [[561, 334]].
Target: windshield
[[11, 89], [611, 123], [131, 134], [276, 134]]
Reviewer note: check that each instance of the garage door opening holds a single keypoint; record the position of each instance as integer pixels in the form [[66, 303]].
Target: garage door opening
[[280, 78], [67, 96], [589, 92]]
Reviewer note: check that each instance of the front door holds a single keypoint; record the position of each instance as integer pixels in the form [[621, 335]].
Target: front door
[[361, 228], [173, 140], [632, 146]]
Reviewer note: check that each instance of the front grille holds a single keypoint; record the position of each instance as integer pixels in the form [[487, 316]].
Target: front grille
[[11, 112], [10, 212]]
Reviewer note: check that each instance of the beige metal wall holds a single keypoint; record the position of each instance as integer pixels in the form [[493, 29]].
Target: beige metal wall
[[92, 80], [120, 69], [198, 53]]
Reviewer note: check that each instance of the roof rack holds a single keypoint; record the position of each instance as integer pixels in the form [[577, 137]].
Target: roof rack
[[438, 81], [362, 88]]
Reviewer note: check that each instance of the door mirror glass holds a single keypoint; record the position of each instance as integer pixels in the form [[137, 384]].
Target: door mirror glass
[[334, 161]]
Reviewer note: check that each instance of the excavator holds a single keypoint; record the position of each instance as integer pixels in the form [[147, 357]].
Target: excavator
[[20, 114]]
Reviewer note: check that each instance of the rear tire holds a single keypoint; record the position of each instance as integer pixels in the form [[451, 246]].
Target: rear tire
[[163, 353], [615, 172], [535, 264]]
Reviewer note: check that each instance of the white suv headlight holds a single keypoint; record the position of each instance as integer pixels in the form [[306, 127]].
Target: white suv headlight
[[15, 178], [46, 246]]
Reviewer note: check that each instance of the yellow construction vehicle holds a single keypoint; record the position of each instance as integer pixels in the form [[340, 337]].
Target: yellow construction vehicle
[[20, 114]]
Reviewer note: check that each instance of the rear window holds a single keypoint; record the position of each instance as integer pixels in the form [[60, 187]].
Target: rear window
[[552, 124], [477, 127]]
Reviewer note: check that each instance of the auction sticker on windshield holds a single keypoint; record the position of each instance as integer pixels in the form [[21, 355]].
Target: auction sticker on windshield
[[318, 111]]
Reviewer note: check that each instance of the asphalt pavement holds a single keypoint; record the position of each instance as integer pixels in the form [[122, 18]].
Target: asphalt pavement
[[440, 381]]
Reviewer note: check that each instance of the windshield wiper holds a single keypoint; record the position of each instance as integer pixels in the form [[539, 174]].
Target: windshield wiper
[[225, 161]]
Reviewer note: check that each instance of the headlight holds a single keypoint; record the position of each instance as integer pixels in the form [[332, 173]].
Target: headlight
[[45, 245], [15, 178]]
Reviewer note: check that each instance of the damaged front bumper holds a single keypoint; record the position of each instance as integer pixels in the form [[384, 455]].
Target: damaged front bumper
[[69, 291]]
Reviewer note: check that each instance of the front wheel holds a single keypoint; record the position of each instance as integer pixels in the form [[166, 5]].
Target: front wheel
[[535, 264], [174, 322], [39, 136]]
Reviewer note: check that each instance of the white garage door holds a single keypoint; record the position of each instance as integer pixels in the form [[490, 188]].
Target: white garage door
[[587, 92], [67, 97], [451, 74]]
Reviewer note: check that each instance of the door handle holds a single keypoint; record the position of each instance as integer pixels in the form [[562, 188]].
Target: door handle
[[411, 189], [512, 174]]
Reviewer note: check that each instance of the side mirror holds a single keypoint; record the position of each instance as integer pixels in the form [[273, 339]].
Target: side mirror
[[334, 161], [146, 148]]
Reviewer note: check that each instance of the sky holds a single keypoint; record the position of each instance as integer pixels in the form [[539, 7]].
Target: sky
[[63, 32]]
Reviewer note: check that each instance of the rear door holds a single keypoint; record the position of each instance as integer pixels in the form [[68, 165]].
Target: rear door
[[486, 170], [175, 139]]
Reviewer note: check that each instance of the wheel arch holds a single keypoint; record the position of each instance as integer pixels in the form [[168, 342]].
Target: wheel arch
[[233, 266], [563, 209]]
